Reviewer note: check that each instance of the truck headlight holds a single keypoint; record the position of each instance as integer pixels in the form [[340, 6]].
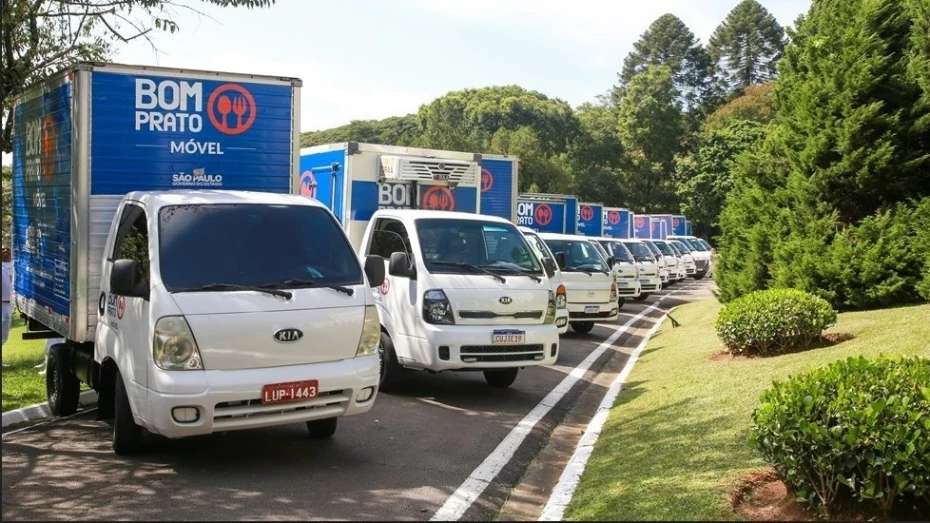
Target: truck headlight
[[174, 346], [613, 292], [550, 309], [371, 332], [561, 299], [436, 308]]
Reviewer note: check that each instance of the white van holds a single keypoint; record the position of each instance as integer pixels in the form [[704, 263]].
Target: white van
[[463, 292], [555, 276], [646, 265], [625, 272], [589, 283], [673, 261], [700, 253]]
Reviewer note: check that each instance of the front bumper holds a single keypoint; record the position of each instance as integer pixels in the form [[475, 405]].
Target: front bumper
[[605, 311], [650, 283], [469, 347], [232, 400], [629, 288]]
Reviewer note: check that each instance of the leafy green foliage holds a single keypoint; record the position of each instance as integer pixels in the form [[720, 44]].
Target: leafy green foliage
[[860, 426], [769, 322], [747, 45], [398, 130], [755, 105]]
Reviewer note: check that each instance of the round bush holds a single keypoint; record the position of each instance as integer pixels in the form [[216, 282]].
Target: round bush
[[857, 425], [773, 321]]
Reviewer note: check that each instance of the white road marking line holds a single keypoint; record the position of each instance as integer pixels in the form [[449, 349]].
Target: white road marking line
[[460, 500], [46, 422], [565, 489]]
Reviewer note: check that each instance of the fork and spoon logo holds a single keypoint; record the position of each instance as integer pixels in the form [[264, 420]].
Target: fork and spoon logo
[[231, 104]]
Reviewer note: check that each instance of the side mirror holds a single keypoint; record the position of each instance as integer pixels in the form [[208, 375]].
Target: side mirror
[[124, 280], [549, 266], [611, 261], [400, 266], [560, 259], [374, 270]]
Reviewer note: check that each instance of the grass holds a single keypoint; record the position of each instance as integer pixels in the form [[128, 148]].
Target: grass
[[22, 384], [676, 440]]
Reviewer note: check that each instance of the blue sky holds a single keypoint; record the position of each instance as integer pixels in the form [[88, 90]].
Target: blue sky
[[368, 59]]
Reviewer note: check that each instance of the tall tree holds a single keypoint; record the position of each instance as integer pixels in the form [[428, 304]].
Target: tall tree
[[650, 127], [670, 43], [746, 46], [41, 36], [597, 154]]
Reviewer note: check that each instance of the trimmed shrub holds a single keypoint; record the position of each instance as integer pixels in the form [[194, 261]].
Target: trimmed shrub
[[860, 426], [773, 321]]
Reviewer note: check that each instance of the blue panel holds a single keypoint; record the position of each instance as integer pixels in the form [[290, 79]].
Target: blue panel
[[591, 219], [161, 132], [688, 229], [497, 189], [316, 179], [571, 211], [642, 225], [679, 225], [368, 197], [542, 216], [42, 200], [617, 223]]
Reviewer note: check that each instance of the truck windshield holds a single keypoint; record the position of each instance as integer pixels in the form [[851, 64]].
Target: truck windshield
[[640, 252], [618, 251], [666, 250], [538, 246], [651, 245], [255, 245], [580, 256], [681, 246], [450, 246]]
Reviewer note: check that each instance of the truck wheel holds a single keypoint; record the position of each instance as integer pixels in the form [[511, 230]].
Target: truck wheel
[[620, 303], [127, 436], [643, 296], [501, 378], [390, 368], [699, 276], [582, 327], [61, 385], [322, 428]]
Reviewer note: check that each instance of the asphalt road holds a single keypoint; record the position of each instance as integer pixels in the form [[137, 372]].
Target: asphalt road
[[401, 461]]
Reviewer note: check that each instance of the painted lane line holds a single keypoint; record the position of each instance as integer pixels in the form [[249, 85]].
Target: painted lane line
[[41, 410], [460, 500], [46, 422], [564, 490]]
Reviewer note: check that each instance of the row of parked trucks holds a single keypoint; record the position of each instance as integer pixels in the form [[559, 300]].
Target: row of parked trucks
[[202, 272]]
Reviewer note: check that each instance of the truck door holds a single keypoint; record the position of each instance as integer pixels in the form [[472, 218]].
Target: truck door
[[123, 332]]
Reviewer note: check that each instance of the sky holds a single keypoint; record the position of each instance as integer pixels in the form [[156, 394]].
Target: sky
[[370, 59]]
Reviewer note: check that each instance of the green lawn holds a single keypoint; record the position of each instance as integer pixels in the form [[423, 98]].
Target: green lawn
[[22, 384], [676, 440]]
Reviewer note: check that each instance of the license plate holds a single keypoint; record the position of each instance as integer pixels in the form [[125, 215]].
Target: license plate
[[644, 281], [508, 337], [623, 284], [293, 391], [592, 309]]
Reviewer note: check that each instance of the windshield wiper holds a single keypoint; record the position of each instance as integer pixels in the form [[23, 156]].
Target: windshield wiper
[[512, 271], [473, 267], [589, 272], [235, 287], [306, 282]]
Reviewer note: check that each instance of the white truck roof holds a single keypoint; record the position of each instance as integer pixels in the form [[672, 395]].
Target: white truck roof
[[412, 214], [187, 197], [559, 236]]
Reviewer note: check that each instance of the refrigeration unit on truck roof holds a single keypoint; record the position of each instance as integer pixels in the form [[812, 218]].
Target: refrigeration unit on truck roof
[[544, 212]]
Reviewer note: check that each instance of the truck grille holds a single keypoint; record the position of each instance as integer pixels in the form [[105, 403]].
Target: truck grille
[[487, 315], [498, 353], [239, 414]]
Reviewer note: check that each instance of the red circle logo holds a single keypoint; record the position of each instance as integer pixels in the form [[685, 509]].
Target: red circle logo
[[231, 109], [438, 198], [49, 139], [120, 307], [487, 180], [587, 213], [385, 287], [307, 184], [640, 221], [676, 222], [613, 217], [542, 214]]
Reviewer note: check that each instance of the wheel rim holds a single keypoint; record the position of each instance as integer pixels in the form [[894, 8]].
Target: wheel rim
[[381, 359], [53, 379]]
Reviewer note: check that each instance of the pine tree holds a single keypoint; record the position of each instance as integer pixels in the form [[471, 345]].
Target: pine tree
[[746, 46]]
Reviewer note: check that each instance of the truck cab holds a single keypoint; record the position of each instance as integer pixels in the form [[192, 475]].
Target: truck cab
[[673, 261], [646, 265], [589, 283], [700, 253], [624, 267], [686, 255], [546, 257], [463, 292], [225, 310]]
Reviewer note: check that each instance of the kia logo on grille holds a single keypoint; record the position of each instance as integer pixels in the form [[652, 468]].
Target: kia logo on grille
[[442, 167], [288, 335], [506, 300], [590, 293]]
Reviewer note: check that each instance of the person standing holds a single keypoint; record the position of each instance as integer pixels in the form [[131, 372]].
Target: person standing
[[7, 257]]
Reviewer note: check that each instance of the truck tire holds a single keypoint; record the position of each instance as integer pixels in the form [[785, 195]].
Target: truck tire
[[127, 436], [390, 367], [61, 385], [501, 378], [643, 296], [582, 327], [699, 276], [620, 303], [322, 428]]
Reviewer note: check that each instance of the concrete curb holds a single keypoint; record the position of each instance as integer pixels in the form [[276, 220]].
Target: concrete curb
[[40, 410]]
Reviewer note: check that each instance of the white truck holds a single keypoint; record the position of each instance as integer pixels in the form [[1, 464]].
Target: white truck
[[555, 276], [154, 232], [700, 252], [624, 267], [646, 265], [589, 283], [464, 291]]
